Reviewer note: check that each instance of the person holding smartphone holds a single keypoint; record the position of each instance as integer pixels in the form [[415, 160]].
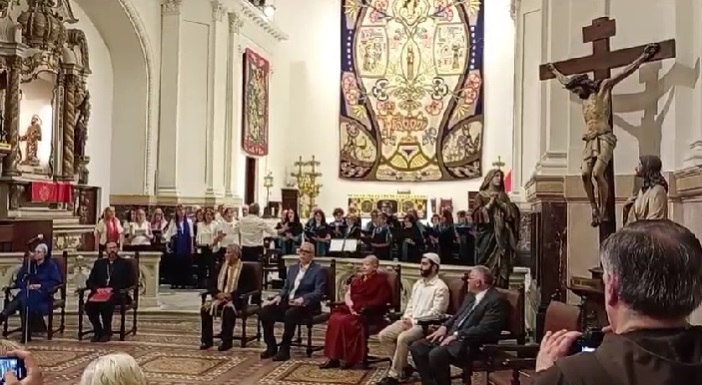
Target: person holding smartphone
[[33, 374]]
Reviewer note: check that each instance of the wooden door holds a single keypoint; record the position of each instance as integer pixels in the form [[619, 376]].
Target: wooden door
[[250, 184]]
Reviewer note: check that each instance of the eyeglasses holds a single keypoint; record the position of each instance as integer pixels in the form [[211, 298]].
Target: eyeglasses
[[305, 251]]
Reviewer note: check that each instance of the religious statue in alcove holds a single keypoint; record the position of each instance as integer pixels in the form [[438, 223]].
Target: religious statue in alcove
[[82, 121], [32, 137], [496, 221], [599, 138]]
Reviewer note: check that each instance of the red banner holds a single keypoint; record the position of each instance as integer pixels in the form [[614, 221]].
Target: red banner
[[52, 192]]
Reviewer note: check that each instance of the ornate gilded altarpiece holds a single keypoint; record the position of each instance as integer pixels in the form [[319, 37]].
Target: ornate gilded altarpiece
[[398, 203], [411, 90], [255, 104], [39, 43]]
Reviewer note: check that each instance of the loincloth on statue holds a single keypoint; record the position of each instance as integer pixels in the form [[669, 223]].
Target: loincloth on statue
[[600, 148]]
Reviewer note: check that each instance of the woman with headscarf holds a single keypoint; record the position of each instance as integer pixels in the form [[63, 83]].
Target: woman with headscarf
[[36, 280], [496, 221], [651, 201]]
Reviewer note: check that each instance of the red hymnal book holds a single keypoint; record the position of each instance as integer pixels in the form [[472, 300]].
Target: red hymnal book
[[101, 295]]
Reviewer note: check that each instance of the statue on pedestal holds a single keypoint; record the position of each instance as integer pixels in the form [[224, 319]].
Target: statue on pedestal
[[81, 130], [496, 221], [32, 137], [651, 201]]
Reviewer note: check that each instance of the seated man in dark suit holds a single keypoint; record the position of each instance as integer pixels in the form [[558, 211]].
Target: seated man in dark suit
[[107, 277], [226, 291], [299, 298], [480, 320]]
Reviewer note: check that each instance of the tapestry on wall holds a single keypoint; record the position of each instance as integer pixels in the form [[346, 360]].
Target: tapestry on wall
[[396, 203], [255, 104], [411, 90]]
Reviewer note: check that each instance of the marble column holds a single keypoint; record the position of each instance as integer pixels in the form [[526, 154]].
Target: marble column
[[216, 130], [235, 24], [170, 69]]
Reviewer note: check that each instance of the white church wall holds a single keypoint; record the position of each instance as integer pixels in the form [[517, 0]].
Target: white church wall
[[128, 30], [312, 56], [100, 84]]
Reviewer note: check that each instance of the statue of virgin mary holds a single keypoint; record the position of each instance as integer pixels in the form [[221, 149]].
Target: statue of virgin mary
[[496, 221]]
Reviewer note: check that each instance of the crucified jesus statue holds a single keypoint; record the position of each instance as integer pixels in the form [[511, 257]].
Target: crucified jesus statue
[[599, 138]]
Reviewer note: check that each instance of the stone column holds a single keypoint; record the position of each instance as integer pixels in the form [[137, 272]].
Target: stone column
[[170, 69], [69, 121], [215, 131], [235, 24], [12, 111]]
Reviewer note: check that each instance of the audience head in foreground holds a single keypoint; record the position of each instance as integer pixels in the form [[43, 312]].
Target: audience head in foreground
[[113, 369], [652, 283]]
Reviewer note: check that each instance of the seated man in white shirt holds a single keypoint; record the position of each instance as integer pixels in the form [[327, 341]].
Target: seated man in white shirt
[[429, 300], [252, 230], [480, 320]]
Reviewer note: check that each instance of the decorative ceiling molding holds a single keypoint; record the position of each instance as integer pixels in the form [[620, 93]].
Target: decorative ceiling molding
[[514, 8], [171, 7], [254, 15]]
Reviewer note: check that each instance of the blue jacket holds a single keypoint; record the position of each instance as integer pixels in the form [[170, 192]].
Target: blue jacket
[[312, 286], [47, 275]]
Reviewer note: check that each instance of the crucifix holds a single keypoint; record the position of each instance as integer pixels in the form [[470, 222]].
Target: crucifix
[[596, 96]]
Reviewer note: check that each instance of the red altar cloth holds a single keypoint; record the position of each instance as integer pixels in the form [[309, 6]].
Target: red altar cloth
[[52, 192]]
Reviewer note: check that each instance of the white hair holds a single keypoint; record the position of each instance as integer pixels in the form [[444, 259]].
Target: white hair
[[113, 369], [43, 248]]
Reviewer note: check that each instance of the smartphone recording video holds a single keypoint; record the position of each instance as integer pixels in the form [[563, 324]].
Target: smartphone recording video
[[12, 364]]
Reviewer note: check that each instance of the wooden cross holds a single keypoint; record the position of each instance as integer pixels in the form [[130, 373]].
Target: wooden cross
[[601, 63]]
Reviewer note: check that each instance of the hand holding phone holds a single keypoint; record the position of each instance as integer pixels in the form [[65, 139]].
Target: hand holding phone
[[20, 368]]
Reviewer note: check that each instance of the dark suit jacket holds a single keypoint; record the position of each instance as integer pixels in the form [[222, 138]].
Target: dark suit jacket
[[312, 286], [121, 277], [484, 323], [247, 283]]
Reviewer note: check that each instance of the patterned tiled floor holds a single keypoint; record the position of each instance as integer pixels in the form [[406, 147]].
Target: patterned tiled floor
[[167, 349]]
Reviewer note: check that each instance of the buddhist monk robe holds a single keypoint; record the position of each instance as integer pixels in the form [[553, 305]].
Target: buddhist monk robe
[[345, 342]]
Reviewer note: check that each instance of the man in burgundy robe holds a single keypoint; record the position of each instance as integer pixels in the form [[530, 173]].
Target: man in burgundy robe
[[345, 342]]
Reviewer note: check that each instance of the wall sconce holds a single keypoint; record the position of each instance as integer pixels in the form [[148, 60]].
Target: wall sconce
[[268, 183]]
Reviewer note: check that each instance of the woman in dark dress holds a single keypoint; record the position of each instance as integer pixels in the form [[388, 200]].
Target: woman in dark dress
[[319, 233], [446, 237], [290, 233], [181, 234], [381, 238], [412, 240]]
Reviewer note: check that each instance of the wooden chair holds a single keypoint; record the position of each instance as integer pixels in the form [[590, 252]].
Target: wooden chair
[[54, 303], [122, 308], [269, 265], [318, 318], [251, 301], [515, 363]]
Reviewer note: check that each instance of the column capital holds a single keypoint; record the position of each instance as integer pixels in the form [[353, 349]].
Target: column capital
[[514, 8], [218, 11], [235, 22], [171, 7]]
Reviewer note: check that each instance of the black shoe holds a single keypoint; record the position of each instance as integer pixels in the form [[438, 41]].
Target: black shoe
[[224, 346], [408, 371], [95, 338], [282, 355], [268, 353], [205, 346], [105, 338], [346, 365], [330, 364], [388, 381]]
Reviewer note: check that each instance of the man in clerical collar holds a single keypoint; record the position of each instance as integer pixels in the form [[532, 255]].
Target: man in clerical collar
[[108, 277], [299, 298]]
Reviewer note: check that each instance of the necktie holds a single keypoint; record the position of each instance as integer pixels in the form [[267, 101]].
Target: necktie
[[465, 316]]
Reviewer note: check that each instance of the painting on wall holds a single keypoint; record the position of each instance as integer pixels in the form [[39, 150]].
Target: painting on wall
[[411, 90], [255, 104], [395, 203]]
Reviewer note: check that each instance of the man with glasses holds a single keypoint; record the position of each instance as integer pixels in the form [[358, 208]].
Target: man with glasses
[[429, 300], [300, 297]]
